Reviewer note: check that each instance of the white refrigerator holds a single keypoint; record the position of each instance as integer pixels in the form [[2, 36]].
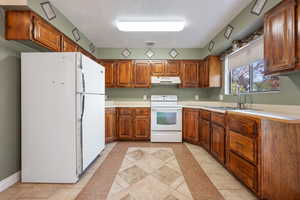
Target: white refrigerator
[[63, 97]]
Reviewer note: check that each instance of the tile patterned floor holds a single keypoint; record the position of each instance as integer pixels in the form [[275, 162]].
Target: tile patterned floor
[[228, 186], [53, 191], [142, 170], [150, 173]]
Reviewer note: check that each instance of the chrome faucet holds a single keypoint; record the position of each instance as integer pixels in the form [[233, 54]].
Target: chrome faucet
[[240, 103]]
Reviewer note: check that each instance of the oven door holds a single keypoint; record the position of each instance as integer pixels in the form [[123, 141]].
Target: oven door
[[166, 119]]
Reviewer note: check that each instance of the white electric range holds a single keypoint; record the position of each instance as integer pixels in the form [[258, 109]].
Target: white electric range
[[166, 119]]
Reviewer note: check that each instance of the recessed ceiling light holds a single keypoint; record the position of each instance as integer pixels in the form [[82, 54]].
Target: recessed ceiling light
[[148, 26]]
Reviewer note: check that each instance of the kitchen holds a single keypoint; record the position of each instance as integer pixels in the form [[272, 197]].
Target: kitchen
[[201, 113]]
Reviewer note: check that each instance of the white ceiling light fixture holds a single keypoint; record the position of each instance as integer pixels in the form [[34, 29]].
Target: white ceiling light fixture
[[150, 26]]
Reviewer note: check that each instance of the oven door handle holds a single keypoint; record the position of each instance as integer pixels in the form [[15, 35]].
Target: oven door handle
[[162, 109]]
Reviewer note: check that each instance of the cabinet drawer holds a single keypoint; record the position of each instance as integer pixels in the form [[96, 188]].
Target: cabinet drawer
[[142, 111], [243, 145], [125, 111], [205, 114], [243, 170], [243, 125], [218, 118]]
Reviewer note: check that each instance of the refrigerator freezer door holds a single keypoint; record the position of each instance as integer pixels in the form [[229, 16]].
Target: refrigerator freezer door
[[48, 118], [92, 128], [92, 76]]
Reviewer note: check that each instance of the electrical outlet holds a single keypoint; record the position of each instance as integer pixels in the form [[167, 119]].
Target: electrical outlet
[[221, 97], [197, 97], [145, 97]]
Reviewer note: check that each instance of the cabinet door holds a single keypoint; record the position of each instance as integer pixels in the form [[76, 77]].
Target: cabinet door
[[279, 37], [172, 68], [213, 72], [204, 74], [157, 68], [205, 134], [68, 45], [124, 74], [142, 127], [190, 74], [125, 127], [142, 76], [191, 132], [46, 35], [218, 142], [110, 125], [110, 73]]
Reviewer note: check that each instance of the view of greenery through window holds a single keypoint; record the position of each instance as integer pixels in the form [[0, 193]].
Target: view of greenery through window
[[251, 78]]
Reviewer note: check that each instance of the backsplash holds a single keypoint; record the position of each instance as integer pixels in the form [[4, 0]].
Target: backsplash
[[128, 94]]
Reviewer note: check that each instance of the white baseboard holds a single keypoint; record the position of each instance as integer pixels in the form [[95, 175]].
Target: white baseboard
[[9, 181]]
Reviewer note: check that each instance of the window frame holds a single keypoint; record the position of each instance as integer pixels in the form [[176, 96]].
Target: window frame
[[228, 75]]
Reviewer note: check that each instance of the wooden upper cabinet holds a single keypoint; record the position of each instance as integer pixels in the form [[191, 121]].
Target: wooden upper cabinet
[[210, 72], [18, 25], [204, 74], [172, 68], [29, 26], [157, 68], [45, 34], [280, 37], [190, 74], [142, 74], [68, 45], [110, 73], [124, 74]]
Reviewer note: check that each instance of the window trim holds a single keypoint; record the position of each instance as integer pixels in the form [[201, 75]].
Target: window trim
[[227, 73]]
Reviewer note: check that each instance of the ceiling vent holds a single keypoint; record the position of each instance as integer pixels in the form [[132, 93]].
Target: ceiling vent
[[149, 43]]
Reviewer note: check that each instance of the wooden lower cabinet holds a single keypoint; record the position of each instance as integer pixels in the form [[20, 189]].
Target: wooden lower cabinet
[[243, 170], [242, 152], [110, 125], [190, 125], [125, 127], [205, 134], [142, 127], [218, 142], [134, 124]]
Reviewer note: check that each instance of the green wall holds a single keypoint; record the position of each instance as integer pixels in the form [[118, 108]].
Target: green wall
[[136, 94], [139, 53], [244, 24], [10, 112]]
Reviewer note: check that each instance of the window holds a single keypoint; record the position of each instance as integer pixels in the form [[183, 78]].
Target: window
[[245, 70]]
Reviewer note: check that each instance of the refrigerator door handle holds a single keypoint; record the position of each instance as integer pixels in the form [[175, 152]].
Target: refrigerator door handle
[[83, 81], [82, 106]]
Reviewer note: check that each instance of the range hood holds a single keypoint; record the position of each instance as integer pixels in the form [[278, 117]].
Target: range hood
[[165, 80]]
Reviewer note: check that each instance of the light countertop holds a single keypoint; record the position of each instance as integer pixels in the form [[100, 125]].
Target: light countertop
[[286, 114]]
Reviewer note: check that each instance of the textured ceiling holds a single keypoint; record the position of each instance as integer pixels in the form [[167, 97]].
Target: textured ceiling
[[204, 19]]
